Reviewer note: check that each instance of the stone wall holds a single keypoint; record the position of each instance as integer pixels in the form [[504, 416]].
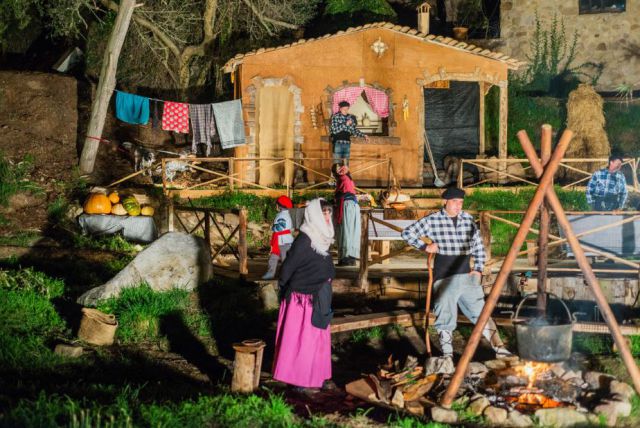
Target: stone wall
[[611, 38]]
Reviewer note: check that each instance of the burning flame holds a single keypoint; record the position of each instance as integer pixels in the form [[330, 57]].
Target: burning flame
[[532, 370]]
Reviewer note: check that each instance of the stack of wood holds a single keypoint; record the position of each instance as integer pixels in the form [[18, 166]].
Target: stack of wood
[[394, 385]]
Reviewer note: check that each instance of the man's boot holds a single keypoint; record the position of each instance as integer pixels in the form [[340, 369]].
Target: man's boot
[[446, 342]]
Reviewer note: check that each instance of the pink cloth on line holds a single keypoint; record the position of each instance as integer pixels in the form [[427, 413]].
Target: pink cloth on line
[[175, 117], [303, 352]]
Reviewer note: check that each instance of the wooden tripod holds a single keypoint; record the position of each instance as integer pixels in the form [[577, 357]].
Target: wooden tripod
[[544, 192]]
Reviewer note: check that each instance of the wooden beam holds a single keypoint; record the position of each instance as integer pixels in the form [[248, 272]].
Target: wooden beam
[[503, 125], [481, 130]]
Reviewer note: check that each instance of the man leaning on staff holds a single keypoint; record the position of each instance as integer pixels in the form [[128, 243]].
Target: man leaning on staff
[[607, 188], [455, 239]]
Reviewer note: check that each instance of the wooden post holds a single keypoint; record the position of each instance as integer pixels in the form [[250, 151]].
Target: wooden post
[[164, 176], [485, 232], [481, 136], [545, 220], [363, 272], [461, 175], [505, 269], [170, 217], [242, 242], [230, 171], [207, 229], [503, 127], [584, 265], [247, 366], [106, 85]]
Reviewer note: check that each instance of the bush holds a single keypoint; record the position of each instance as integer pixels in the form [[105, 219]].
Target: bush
[[31, 280]]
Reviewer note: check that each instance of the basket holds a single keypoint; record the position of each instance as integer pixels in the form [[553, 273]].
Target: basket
[[97, 328]]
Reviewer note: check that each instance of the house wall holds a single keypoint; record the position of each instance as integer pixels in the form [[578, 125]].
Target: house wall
[[315, 65], [611, 38]]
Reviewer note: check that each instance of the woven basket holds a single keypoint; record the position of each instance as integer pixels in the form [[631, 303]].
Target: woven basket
[[97, 328]]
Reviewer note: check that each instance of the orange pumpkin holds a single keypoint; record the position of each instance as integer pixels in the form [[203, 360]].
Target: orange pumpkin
[[97, 203], [114, 197]]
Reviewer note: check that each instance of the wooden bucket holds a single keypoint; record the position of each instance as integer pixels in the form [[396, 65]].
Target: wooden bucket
[[247, 365], [97, 328]]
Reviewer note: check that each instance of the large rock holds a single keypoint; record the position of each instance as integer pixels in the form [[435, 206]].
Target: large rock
[[561, 417], [495, 415], [517, 419], [175, 260], [444, 416]]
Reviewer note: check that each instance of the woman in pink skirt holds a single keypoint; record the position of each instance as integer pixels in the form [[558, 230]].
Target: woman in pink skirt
[[303, 339]]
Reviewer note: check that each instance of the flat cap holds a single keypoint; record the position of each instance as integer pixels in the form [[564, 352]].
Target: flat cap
[[453, 193]]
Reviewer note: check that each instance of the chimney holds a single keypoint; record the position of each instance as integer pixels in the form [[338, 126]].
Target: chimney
[[423, 17]]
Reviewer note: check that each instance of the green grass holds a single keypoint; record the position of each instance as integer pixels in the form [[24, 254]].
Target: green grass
[[20, 238], [621, 124], [140, 312], [57, 210], [115, 243], [366, 334], [13, 178], [29, 319], [127, 410]]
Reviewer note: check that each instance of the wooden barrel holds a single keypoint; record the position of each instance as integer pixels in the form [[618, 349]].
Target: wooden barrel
[[97, 328]]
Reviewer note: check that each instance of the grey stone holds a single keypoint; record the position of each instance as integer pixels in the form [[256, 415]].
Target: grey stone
[[416, 340], [269, 294], [175, 260], [476, 368], [444, 416], [610, 408], [478, 404], [598, 380], [560, 417], [623, 389], [439, 365], [495, 415], [496, 364], [231, 219], [70, 351], [518, 420]]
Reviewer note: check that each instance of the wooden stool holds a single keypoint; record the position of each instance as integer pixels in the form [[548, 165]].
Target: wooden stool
[[247, 365]]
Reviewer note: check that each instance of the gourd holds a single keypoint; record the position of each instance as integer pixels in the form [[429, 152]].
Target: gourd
[[97, 203], [131, 205], [114, 197], [118, 209], [147, 210]]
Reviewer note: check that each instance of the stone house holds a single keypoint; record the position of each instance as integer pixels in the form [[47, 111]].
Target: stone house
[[608, 32]]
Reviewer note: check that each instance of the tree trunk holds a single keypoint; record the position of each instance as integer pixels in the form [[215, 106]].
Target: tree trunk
[[106, 86]]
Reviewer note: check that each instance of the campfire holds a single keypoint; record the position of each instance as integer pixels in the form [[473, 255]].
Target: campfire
[[506, 392]]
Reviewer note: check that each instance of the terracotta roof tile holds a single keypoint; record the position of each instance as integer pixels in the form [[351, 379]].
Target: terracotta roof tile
[[431, 38]]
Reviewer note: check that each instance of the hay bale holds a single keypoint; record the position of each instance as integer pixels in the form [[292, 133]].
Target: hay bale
[[585, 117]]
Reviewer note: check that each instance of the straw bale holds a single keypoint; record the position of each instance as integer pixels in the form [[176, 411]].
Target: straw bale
[[585, 117]]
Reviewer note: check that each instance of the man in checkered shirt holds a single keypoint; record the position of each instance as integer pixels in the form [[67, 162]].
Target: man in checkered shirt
[[455, 238], [343, 126], [607, 188]]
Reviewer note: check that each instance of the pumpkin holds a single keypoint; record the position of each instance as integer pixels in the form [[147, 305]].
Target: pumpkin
[[131, 205], [97, 203], [118, 209], [114, 197], [147, 210]]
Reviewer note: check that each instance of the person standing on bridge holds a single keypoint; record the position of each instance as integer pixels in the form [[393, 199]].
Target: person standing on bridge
[[455, 239]]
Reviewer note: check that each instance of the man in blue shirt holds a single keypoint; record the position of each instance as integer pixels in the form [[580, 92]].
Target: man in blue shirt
[[343, 126], [607, 188]]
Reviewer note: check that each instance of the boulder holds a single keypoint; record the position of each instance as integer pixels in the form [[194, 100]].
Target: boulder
[[444, 416], [175, 260], [495, 415], [439, 365], [478, 404], [496, 364], [517, 419], [70, 351], [560, 417], [622, 389], [613, 409], [598, 380]]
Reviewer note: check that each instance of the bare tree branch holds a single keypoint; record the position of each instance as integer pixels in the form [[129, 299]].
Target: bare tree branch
[[265, 19]]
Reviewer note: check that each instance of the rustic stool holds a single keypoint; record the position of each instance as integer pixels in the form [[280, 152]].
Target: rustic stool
[[247, 365]]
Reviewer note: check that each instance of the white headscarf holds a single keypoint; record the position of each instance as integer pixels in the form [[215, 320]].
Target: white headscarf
[[316, 227]]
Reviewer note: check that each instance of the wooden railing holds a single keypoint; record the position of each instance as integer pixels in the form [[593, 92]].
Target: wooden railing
[[499, 167], [229, 178]]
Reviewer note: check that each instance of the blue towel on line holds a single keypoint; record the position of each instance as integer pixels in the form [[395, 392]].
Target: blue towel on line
[[228, 117], [132, 108]]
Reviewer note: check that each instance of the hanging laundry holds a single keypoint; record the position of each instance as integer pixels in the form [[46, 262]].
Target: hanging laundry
[[156, 113], [132, 108], [175, 117], [203, 125], [230, 124]]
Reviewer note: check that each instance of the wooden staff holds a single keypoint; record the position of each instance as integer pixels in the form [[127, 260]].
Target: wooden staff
[[503, 275], [583, 262], [427, 309]]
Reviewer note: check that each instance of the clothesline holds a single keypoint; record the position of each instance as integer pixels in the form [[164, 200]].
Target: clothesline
[[157, 99]]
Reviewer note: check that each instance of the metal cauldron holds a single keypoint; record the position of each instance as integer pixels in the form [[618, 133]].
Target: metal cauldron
[[547, 343]]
